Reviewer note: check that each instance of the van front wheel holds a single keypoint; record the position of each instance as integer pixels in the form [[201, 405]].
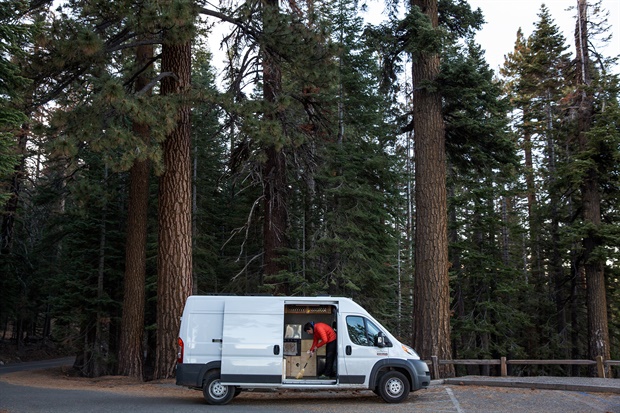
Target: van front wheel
[[214, 391], [393, 387]]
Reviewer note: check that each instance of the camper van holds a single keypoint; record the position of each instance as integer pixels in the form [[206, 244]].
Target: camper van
[[231, 343]]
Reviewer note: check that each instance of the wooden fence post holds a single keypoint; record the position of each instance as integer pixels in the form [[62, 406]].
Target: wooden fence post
[[600, 366], [503, 368], [435, 362]]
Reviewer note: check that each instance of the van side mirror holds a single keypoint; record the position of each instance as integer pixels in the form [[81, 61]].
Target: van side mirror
[[379, 340]]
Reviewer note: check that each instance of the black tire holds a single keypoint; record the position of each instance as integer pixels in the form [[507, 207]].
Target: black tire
[[393, 387], [213, 390]]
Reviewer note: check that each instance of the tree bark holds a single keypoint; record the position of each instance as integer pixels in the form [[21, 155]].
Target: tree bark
[[431, 306], [131, 356], [174, 259], [598, 332]]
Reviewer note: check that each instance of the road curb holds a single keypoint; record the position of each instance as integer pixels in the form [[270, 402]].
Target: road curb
[[542, 383]]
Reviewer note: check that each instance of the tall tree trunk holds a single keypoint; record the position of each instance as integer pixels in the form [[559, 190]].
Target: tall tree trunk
[[174, 258], [131, 358], [598, 332], [274, 174], [431, 306], [276, 215]]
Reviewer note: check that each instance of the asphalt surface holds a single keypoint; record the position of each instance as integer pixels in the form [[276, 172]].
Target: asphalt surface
[[36, 365]]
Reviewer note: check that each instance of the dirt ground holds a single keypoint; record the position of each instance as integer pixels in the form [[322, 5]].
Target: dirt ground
[[61, 378], [65, 378]]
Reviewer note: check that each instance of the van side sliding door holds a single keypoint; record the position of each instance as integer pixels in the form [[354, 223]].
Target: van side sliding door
[[253, 342]]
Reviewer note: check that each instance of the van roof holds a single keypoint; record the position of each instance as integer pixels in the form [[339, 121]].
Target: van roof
[[343, 303]]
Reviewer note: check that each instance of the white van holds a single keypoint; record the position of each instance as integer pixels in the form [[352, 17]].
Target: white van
[[230, 343]]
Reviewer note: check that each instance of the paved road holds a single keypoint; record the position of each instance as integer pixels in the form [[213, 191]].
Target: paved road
[[440, 398], [36, 365]]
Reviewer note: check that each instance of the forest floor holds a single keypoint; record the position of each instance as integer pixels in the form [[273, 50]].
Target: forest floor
[[63, 378], [66, 377]]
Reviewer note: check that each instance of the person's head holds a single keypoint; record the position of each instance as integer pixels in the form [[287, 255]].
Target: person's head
[[309, 327]]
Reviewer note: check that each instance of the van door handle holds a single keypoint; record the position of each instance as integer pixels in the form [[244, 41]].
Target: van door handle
[[276, 349], [348, 350]]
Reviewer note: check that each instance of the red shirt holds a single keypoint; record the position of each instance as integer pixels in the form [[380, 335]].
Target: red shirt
[[323, 334]]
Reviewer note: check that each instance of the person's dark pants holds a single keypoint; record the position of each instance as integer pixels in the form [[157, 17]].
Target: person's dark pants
[[330, 356]]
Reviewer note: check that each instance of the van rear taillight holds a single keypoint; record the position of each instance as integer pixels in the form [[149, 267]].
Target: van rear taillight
[[180, 351]]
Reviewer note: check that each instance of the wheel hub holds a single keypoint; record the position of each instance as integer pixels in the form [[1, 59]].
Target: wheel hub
[[218, 390], [394, 387]]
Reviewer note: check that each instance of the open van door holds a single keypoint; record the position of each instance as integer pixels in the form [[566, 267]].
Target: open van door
[[253, 341]]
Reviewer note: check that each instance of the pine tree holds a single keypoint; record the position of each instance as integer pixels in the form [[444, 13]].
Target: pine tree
[[274, 174], [431, 305], [13, 128], [536, 72], [482, 160], [215, 207], [174, 259], [549, 67], [130, 359], [592, 261], [278, 123], [539, 81], [343, 205], [90, 76]]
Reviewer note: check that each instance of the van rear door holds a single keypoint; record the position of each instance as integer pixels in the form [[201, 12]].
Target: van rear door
[[202, 331], [253, 341]]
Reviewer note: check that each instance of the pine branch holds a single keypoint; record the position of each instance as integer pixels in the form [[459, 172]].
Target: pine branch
[[241, 24], [153, 82]]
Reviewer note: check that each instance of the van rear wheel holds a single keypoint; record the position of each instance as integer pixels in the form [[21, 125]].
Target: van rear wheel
[[214, 391], [393, 387]]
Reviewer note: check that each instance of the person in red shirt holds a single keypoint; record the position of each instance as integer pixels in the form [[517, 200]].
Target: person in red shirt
[[324, 335]]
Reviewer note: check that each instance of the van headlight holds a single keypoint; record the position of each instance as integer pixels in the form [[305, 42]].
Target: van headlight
[[409, 350]]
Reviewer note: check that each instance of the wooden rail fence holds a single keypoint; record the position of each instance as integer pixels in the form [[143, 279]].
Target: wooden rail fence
[[503, 362]]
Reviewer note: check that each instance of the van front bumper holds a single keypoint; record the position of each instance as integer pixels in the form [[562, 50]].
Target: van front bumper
[[422, 373]]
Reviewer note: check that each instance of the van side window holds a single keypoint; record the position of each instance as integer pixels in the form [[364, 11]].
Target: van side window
[[361, 331]]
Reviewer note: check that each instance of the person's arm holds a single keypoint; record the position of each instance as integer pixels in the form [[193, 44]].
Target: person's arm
[[315, 342], [320, 337]]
